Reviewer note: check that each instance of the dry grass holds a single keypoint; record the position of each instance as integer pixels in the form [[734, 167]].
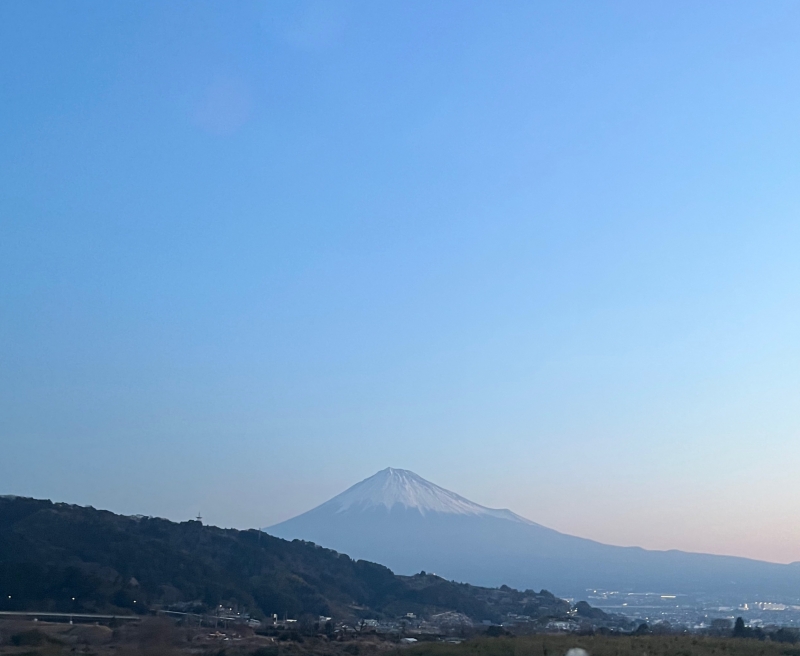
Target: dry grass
[[160, 637], [557, 645]]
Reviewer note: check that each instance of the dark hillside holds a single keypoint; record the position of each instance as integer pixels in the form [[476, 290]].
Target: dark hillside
[[52, 552]]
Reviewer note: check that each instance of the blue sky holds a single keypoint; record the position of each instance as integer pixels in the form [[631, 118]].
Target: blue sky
[[544, 254]]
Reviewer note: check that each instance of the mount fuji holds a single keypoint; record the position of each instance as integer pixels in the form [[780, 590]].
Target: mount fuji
[[409, 524]]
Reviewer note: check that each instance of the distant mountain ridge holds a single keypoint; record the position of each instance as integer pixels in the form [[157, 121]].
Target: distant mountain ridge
[[399, 519]]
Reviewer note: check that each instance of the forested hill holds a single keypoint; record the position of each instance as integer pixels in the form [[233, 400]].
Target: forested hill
[[52, 552]]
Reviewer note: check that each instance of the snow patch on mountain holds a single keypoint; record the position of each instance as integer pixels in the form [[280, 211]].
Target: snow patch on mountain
[[399, 487]]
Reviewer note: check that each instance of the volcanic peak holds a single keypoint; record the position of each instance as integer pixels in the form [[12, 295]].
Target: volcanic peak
[[400, 487]]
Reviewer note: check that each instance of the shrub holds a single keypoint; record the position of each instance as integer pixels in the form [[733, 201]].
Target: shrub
[[31, 638]]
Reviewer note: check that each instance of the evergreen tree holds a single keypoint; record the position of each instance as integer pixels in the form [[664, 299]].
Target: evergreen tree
[[739, 630]]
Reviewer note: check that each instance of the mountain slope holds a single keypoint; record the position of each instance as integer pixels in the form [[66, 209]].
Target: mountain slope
[[50, 553], [400, 520]]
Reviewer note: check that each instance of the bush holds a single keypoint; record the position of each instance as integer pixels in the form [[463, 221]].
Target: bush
[[31, 638], [495, 631], [265, 651]]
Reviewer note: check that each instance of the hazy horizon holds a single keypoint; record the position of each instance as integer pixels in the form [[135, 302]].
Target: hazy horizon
[[542, 254]]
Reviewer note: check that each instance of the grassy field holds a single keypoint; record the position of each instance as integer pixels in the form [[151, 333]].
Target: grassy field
[[160, 637], [558, 645]]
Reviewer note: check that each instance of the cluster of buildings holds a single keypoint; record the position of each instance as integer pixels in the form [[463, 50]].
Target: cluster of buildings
[[409, 625], [696, 613]]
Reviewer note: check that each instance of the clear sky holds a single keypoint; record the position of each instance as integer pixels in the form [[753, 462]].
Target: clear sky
[[545, 254]]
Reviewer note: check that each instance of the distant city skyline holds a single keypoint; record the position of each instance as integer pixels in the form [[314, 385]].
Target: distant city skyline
[[542, 254]]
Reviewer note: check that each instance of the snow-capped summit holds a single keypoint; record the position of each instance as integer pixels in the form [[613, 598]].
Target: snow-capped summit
[[391, 488]]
